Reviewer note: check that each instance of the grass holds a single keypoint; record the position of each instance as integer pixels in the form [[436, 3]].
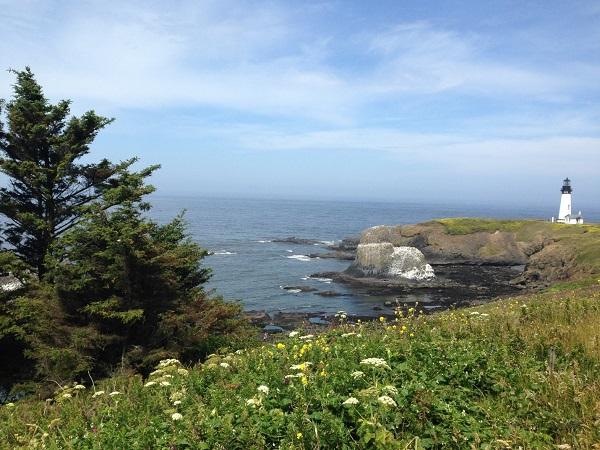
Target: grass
[[521, 372], [464, 225]]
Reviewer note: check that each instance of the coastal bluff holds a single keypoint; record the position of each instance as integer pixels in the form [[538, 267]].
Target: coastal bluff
[[548, 252]]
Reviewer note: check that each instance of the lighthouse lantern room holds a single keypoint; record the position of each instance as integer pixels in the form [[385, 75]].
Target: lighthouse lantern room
[[564, 212]]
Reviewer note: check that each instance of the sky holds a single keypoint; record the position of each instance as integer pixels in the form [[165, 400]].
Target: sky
[[453, 101]]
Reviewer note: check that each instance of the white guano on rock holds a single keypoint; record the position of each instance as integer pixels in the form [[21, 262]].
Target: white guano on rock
[[383, 259]]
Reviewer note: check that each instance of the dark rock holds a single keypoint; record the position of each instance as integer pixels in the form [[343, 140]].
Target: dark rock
[[273, 329], [257, 317], [344, 256], [348, 244], [330, 294]]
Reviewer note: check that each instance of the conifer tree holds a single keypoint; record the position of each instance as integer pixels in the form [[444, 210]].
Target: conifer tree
[[49, 190]]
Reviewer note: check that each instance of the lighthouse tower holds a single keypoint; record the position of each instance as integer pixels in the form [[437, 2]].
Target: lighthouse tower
[[564, 213]]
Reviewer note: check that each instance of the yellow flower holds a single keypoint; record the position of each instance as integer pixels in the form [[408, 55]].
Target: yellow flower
[[298, 435], [280, 346], [304, 380], [381, 319]]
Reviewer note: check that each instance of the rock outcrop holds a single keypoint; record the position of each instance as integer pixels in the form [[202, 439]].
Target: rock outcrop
[[385, 260], [439, 247]]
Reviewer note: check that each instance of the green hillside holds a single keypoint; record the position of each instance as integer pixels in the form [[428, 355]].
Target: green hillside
[[522, 372]]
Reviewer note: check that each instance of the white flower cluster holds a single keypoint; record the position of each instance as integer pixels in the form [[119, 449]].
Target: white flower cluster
[[263, 389], [293, 334], [303, 366], [357, 374], [297, 375], [390, 390], [308, 336], [386, 401], [168, 362], [376, 362], [253, 402], [342, 315], [351, 401]]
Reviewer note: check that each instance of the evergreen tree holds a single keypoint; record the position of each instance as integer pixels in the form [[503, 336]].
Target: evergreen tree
[[49, 190]]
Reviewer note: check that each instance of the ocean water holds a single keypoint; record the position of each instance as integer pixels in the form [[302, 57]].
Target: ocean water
[[249, 267]]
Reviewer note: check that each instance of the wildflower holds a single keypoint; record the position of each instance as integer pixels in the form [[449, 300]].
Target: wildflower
[[351, 401], [263, 389], [348, 334], [177, 403], [97, 394], [304, 380], [280, 346], [165, 383], [252, 402], [386, 401], [303, 366], [150, 383], [381, 319], [114, 393], [377, 362], [79, 387], [390, 389], [239, 352], [10, 405], [156, 372], [176, 416], [176, 396], [308, 336], [357, 374], [168, 362], [67, 395], [182, 371], [224, 365], [293, 334], [298, 435], [297, 375]]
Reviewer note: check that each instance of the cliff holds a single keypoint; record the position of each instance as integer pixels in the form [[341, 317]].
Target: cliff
[[550, 252]]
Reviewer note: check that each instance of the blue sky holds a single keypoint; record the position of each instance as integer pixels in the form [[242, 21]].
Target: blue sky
[[389, 100]]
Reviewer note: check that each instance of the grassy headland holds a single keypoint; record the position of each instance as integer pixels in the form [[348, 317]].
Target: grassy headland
[[520, 372]]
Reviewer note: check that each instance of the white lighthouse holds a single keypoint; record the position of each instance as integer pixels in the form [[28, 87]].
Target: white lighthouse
[[564, 212]]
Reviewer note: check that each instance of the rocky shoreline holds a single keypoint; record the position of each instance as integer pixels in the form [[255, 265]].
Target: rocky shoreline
[[468, 267]]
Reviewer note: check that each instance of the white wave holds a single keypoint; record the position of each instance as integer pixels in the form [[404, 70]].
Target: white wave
[[299, 257], [224, 253], [294, 291], [306, 278], [328, 242], [290, 251], [323, 280], [263, 242]]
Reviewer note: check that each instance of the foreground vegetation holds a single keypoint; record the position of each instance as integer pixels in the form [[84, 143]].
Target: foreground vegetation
[[518, 373]]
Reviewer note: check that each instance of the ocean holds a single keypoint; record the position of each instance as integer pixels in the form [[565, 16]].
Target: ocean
[[249, 267]]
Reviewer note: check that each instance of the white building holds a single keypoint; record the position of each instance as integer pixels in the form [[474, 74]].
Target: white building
[[564, 212]]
